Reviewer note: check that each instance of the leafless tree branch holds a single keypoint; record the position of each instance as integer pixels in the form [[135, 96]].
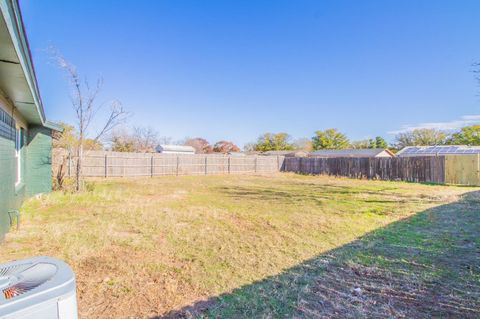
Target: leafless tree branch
[[84, 102], [117, 116]]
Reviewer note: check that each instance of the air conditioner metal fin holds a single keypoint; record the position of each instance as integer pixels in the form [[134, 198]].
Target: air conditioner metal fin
[[37, 287], [29, 279], [7, 271]]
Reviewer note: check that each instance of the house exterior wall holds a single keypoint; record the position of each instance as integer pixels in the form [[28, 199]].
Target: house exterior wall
[[24, 171], [39, 160], [7, 184], [35, 165], [11, 195], [384, 154]]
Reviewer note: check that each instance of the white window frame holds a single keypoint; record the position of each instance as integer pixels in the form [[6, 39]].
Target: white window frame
[[18, 155]]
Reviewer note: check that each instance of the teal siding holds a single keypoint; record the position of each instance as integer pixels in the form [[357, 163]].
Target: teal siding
[[36, 171], [39, 160], [20, 190], [8, 199], [11, 197]]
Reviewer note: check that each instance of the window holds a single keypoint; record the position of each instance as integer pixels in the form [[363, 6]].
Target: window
[[19, 135], [7, 126]]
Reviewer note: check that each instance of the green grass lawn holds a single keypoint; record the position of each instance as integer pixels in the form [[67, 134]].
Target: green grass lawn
[[257, 246]]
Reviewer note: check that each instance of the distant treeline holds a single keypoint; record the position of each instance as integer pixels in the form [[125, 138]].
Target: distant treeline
[[334, 139], [145, 140]]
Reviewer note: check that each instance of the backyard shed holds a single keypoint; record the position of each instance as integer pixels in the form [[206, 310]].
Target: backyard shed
[[25, 133], [175, 149], [359, 153], [439, 150]]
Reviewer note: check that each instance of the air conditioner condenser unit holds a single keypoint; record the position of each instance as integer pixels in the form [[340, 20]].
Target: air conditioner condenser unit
[[38, 287]]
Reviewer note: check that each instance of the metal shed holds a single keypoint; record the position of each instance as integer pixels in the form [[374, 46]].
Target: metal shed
[[175, 149]]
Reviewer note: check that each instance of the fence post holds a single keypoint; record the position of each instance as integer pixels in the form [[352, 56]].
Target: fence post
[[278, 163], [255, 167], [151, 166], [178, 164], [106, 168], [206, 164], [228, 161], [70, 163], [478, 170], [445, 169]]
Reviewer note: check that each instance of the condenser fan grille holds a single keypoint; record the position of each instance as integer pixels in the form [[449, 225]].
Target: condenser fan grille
[[19, 289], [25, 280], [37, 287], [7, 271]]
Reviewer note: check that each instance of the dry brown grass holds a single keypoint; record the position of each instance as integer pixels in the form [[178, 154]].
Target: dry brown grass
[[147, 247]]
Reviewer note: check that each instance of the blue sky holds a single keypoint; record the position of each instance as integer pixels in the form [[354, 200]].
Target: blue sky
[[235, 69]]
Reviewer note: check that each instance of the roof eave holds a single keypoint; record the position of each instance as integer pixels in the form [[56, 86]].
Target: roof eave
[[53, 126], [390, 152], [13, 18]]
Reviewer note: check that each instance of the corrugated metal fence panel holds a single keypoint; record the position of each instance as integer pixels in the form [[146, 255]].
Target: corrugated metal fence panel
[[462, 169], [414, 169]]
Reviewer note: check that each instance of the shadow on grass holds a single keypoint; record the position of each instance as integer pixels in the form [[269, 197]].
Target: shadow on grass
[[424, 266], [318, 194]]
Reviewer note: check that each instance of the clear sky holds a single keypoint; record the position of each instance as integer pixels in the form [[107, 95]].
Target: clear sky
[[235, 69]]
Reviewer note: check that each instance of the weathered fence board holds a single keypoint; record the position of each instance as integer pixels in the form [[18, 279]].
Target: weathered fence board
[[462, 169], [119, 164], [450, 169], [413, 169]]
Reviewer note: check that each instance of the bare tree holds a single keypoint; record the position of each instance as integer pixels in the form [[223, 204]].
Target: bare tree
[[303, 143], [476, 71], [138, 139], [166, 140], [146, 139], [120, 140], [84, 102], [64, 143], [249, 147], [421, 136]]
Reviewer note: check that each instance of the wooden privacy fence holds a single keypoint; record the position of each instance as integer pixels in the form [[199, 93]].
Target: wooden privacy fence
[[413, 169], [449, 169], [123, 164], [462, 169]]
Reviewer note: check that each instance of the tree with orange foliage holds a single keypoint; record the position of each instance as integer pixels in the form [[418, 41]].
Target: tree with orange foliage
[[201, 145], [225, 147]]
